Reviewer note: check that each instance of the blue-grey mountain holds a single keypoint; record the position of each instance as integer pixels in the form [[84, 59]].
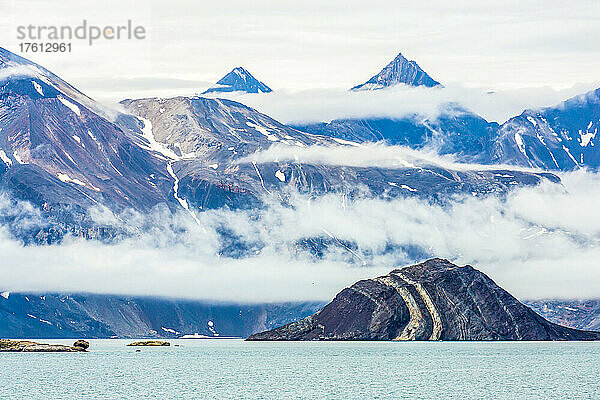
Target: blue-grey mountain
[[239, 80], [564, 137], [398, 71]]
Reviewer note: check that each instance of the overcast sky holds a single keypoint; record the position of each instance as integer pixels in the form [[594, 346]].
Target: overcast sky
[[310, 44]]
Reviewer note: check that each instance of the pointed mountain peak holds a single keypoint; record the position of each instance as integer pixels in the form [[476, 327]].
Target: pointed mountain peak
[[399, 70], [239, 80]]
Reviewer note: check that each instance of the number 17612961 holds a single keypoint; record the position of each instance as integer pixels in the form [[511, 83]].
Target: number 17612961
[[35, 47]]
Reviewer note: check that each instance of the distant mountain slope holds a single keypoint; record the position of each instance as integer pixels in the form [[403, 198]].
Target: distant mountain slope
[[239, 80], [58, 152], [564, 137], [398, 71], [560, 138], [30, 315], [434, 300], [455, 131], [580, 314], [211, 136], [61, 153]]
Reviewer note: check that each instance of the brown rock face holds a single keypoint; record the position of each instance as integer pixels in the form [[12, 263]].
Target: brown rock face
[[150, 343], [8, 345], [434, 300], [83, 344]]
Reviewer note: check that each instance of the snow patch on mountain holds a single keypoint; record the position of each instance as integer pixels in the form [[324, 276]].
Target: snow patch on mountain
[[587, 136], [37, 87], [280, 175], [70, 105], [153, 145], [18, 158], [67, 179], [5, 158]]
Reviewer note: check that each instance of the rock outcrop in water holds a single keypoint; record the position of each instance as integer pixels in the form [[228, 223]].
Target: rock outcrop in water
[[435, 300], [8, 345], [150, 343]]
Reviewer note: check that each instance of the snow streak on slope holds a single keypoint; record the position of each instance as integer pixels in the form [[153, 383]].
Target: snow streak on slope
[[153, 145]]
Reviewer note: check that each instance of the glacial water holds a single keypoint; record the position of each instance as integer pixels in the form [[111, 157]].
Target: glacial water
[[234, 369]]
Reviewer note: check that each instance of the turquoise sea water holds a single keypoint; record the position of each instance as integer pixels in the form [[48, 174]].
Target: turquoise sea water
[[233, 369]]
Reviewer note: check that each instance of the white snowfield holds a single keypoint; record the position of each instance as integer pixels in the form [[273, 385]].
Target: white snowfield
[[18, 158], [153, 145], [264, 131]]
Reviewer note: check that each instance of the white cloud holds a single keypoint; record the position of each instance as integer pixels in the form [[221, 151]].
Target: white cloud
[[367, 155], [21, 70], [537, 242], [320, 105], [315, 44]]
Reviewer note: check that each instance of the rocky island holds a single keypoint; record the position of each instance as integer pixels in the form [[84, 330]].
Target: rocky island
[[8, 345], [434, 300], [150, 343]]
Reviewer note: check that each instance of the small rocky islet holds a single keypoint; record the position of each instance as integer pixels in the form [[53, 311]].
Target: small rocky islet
[[434, 300], [150, 343], [8, 345]]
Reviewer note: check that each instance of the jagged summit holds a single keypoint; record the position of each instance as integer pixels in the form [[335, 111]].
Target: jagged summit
[[399, 70], [239, 80]]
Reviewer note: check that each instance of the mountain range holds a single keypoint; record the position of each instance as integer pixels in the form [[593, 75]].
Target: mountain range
[[64, 154], [559, 138]]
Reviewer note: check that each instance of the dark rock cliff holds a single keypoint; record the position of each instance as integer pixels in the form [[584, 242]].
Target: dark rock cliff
[[435, 300]]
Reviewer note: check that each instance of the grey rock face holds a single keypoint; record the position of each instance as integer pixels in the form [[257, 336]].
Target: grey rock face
[[399, 70], [435, 300]]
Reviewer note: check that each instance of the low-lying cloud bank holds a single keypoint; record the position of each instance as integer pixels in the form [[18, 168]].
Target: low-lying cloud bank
[[324, 105], [377, 155], [536, 242]]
